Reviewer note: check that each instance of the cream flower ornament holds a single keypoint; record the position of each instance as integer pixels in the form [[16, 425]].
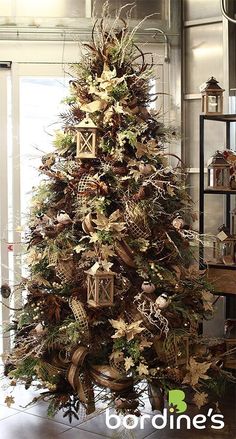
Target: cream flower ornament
[[126, 330]]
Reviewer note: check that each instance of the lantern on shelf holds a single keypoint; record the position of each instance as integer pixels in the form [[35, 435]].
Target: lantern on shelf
[[224, 247], [86, 139], [233, 222], [100, 288], [218, 172], [212, 97]]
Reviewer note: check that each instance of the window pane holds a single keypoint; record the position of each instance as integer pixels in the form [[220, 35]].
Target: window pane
[[142, 8], [43, 8], [40, 105]]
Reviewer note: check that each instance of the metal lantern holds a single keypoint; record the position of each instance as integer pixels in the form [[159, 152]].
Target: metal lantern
[[86, 139], [100, 288], [224, 247], [212, 97], [218, 172]]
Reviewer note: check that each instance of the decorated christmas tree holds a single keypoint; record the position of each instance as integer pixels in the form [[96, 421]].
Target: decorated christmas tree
[[114, 301]]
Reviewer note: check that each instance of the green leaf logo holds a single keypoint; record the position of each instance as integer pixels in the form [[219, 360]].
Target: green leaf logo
[[176, 401]]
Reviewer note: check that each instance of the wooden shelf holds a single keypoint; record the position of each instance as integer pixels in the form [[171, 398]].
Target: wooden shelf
[[220, 117], [223, 278], [219, 191], [220, 266]]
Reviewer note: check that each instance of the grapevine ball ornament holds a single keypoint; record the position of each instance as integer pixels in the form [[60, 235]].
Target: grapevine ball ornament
[[148, 287], [5, 291], [162, 301]]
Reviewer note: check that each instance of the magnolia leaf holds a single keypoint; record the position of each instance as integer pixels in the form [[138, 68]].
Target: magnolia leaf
[[200, 399], [196, 371], [128, 363], [94, 106]]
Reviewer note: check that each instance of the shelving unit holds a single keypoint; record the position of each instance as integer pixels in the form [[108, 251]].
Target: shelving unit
[[223, 276]]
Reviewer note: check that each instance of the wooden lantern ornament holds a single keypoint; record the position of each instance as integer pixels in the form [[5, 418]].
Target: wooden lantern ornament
[[100, 288], [212, 98], [218, 172], [224, 247], [86, 139]]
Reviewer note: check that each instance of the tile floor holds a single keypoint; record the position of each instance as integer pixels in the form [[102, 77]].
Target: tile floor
[[31, 422]]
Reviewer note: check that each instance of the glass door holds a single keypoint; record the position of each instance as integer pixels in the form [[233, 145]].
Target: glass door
[[31, 96]]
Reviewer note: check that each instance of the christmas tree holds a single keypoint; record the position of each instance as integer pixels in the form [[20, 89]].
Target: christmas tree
[[113, 298]]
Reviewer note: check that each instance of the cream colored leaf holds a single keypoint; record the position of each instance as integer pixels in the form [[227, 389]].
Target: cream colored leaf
[[136, 174], [106, 265], [126, 330], [207, 298], [107, 251], [200, 399], [115, 215], [133, 329], [196, 371], [79, 248], [9, 400], [94, 237], [145, 344], [94, 106], [142, 369], [128, 363]]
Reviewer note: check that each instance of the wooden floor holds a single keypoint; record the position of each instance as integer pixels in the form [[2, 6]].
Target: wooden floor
[[20, 422]]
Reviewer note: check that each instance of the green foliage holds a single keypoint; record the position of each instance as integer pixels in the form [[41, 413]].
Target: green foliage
[[67, 334], [53, 407], [105, 237], [129, 348], [25, 318], [120, 91], [63, 141], [25, 369]]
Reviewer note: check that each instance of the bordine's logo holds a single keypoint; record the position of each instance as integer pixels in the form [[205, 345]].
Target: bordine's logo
[[167, 418], [176, 401]]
